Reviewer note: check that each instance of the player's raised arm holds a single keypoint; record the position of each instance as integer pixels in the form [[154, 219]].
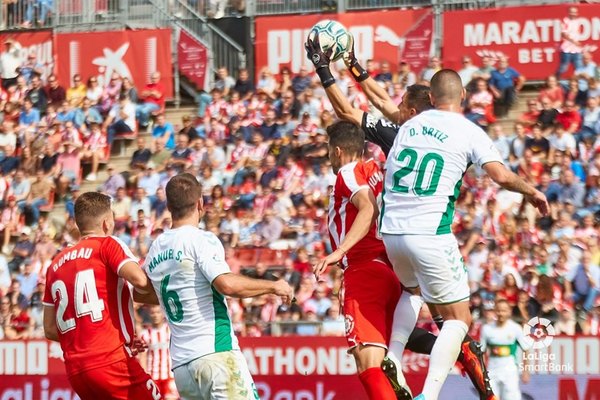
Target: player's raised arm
[[375, 93], [143, 291], [340, 103], [511, 181], [242, 286]]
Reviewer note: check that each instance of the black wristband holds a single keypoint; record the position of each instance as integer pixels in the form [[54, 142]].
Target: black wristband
[[358, 72], [326, 78]]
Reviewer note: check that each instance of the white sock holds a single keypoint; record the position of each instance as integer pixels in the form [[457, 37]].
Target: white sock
[[443, 356], [405, 318]]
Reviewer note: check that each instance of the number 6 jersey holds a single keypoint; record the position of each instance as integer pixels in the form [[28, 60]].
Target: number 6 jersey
[[182, 264], [94, 312], [424, 171]]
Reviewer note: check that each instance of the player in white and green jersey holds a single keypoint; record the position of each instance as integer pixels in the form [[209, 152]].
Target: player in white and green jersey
[[190, 276], [502, 339], [423, 176]]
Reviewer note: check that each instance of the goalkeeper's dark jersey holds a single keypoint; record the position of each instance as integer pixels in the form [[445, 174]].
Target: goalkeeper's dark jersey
[[379, 131]]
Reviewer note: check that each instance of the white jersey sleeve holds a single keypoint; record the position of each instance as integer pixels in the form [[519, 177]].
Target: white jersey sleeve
[[211, 256], [483, 149]]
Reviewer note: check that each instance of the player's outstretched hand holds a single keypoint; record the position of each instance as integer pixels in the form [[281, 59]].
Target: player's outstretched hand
[[316, 55], [284, 290], [355, 69], [322, 265], [349, 56], [138, 346], [539, 201]]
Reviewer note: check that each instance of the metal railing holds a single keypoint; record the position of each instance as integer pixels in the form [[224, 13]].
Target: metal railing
[[277, 7], [225, 51], [21, 14], [89, 14], [179, 14], [375, 4]]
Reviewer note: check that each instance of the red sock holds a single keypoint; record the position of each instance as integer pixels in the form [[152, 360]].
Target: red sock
[[376, 384]]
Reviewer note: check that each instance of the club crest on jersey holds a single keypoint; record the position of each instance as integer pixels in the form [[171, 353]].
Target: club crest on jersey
[[349, 324]]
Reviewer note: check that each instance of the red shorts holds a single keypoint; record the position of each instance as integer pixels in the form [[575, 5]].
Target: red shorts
[[370, 294], [122, 380], [167, 388]]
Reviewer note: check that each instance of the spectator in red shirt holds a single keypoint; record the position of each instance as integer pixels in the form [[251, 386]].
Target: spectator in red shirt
[[20, 325], [569, 118], [530, 169], [553, 92], [302, 265], [510, 291], [153, 99], [56, 94]]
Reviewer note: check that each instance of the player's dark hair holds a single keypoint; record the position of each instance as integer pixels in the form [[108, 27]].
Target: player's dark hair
[[347, 136], [88, 207], [417, 97], [446, 86], [183, 192]]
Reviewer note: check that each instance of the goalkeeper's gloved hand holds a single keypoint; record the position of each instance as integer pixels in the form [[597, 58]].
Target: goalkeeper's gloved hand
[[320, 60], [356, 70]]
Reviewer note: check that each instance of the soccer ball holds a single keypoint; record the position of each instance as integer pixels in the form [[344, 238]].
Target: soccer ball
[[332, 34]]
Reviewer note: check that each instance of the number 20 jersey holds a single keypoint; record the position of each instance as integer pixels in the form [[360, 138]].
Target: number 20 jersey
[[93, 303], [182, 264], [424, 171]]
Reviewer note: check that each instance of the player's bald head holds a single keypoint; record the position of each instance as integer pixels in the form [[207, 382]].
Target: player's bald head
[[446, 88]]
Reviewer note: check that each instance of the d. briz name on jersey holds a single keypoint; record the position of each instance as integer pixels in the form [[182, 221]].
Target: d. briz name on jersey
[[427, 131]]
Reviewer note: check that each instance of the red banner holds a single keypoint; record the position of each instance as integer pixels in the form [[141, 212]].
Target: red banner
[[132, 54], [315, 368], [530, 36], [192, 57], [378, 35], [418, 43], [40, 42]]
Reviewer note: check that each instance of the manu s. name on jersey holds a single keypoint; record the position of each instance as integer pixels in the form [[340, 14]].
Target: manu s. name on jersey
[[165, 255]]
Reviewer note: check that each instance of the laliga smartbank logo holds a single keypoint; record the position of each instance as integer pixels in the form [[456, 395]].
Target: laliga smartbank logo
[[539, 358], [539, 333]]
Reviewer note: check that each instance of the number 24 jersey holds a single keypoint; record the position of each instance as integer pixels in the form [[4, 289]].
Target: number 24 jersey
[[94, 311], [424, 171]]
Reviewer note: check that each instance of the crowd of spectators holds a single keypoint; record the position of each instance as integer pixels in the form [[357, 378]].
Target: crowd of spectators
[[259, 149], [50, 134]]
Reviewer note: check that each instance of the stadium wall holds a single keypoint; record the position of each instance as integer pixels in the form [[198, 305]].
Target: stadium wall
[[316, 368]]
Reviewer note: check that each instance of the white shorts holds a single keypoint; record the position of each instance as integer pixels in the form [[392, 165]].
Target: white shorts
[[432, 262], [218, 376], [505, 383]]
